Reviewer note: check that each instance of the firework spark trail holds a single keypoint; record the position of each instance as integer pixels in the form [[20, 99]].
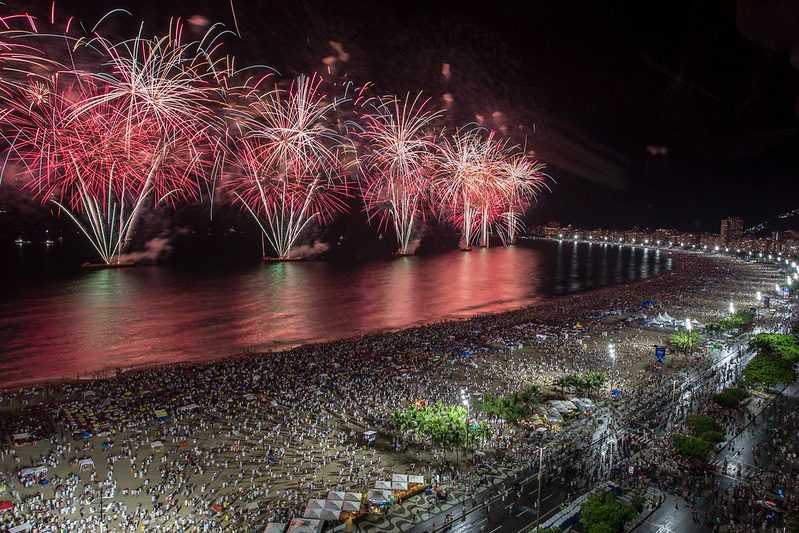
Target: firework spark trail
[[100, 144], [468, 184], [395, 170], [526, 178], [288, 166], [155, 120]]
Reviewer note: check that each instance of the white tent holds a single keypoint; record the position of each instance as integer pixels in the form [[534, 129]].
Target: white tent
[[22, 528], [157, 444], [189, 407], [315, 504], [668, 318], [304, 525], [399, 482], [251, 506], [323, 509], [351, 505], [312, 513], [330, 515], [333, 505], [378, 496], [383, 485], [32, 471], [350, 501], [416, 480], [85, 464]]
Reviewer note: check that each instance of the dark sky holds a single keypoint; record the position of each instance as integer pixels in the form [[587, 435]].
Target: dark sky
[[590, 84]]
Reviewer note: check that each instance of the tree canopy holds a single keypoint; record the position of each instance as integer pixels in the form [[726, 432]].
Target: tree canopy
[[603, 513], [444, 424], [776, 359], [685, 340]]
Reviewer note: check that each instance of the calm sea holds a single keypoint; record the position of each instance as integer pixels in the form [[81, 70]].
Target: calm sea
[[53, 327]]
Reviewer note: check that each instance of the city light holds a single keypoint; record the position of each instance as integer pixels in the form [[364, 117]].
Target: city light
[[758, 296], [688, 325], [732, 309]]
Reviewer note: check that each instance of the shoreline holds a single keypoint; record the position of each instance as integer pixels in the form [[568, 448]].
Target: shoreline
[[542, 302], [270, 433]]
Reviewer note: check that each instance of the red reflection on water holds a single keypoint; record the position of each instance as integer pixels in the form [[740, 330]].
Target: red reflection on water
[[146, 316]]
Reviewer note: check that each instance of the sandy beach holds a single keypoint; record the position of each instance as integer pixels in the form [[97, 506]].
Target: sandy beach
[[236, 443]]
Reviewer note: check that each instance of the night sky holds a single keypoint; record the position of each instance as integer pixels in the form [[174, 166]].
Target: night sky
[[591, 85]]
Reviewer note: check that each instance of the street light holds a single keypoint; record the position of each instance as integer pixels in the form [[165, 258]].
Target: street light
[[465, 402], [688, 325], [732, 308], [758, 296], [540, 473]]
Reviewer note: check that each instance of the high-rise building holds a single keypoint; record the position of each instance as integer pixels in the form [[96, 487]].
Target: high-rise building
[[731, 230]]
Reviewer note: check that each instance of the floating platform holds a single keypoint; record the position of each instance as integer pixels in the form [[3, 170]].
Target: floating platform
[[281, 259], [101, 266]]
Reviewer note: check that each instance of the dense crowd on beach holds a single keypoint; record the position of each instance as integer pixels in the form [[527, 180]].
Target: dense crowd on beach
[[241, 442]]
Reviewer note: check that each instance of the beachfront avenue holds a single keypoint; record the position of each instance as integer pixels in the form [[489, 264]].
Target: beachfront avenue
[[318, 432]]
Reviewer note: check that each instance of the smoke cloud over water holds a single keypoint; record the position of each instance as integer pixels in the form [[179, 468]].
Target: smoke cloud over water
[[308, 251], [154, 250]]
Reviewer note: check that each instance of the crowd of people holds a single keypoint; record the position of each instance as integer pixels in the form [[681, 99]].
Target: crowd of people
[[240, 442]]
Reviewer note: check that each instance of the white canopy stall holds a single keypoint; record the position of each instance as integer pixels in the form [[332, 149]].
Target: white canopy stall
[[305, 525]]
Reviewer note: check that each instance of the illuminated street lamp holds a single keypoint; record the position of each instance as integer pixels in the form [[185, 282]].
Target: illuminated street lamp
[[758, 296], [732, 308], [465, 402]]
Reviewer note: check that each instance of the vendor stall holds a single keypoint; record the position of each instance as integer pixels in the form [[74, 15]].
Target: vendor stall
[[379, 501], [305, 525]]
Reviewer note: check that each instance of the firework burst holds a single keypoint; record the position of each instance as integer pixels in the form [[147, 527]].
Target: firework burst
[[396, 168], [288, 166], [525, 178], [100, 144], [468, 184]]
